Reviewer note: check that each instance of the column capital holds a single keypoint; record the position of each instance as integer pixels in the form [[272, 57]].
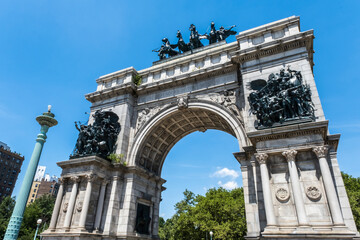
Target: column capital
[[62, 180], [290, 155], [115, 178], [90, 177], [261, 157], [320, 151], [105, 181], [75, 179]]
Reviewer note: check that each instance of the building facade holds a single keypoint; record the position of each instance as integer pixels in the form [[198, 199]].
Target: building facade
[[33, 192], [47, 185], [10, 167]]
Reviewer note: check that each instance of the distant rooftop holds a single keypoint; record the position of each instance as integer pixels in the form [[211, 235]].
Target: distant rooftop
[[5, 146]]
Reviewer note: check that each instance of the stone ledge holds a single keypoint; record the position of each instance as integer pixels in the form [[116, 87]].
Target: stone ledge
[[87, 160], [111, 92], [289, 131], [96, 160]]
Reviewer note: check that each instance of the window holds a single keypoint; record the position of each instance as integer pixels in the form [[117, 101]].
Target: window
[[51, 186], [36, 185], [33, 195], [32, 200], [8, 189], [34, 190], [50, 191]]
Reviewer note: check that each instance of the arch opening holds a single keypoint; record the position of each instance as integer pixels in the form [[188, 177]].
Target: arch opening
[[163, 133]]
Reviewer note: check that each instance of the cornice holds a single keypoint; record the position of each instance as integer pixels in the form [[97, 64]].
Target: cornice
[[289, 131], [127, 88], [273, 26], [186, 78], [303, 39], [95, 160]]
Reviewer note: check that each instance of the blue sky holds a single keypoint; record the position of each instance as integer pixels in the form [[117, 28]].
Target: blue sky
[[51, 52]]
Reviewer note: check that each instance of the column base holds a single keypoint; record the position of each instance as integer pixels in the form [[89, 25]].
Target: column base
[[308, 232]]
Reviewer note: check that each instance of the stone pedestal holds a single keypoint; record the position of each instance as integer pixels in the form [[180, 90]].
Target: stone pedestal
[[301, 186], [93, 202]]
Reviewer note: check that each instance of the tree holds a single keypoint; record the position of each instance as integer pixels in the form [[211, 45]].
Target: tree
[[6, 208], [41, 208], [352, 186], [221, 211]]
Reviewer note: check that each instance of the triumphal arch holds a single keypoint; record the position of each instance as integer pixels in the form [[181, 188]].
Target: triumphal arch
[[260, 89]]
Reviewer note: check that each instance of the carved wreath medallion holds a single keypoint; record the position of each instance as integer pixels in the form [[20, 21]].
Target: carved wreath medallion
[[313, 193], [282, 194], [65, 207], [79, 206]]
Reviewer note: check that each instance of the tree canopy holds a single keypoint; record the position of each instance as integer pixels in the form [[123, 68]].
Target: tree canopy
[[41, 208], [220, 211], [352, 186]]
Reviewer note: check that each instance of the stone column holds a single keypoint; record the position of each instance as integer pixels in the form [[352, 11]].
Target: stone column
[[100, 204], [295, 184], [85, 207], [108, 228], [71, 205], [334, 205], [265, 182], [57, 206]]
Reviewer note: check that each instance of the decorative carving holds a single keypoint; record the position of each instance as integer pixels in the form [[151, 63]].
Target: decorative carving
[[313, 193], [79, 206], [75, 179], [290, 155], [282, 194], [227, 99], [182, 102], [145, 115], [261, 157], [273, 136], [282, 98], [320, 151], [91, 177], [65, 207], [99, 138], [62, 180]]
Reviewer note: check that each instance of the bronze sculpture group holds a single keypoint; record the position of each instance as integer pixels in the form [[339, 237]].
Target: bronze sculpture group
[[98, 138], [282, 98], [168, 50]]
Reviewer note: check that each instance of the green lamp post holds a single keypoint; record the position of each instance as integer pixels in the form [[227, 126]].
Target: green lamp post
[[46, 120]]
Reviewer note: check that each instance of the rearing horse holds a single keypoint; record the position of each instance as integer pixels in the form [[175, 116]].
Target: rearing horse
[[183, 47]]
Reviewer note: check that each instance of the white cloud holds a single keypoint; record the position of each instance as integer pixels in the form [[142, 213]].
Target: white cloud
[[225, 172], [228, 185]]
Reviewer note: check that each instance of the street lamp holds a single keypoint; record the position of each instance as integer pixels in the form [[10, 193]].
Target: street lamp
[[46, 120], [211, 235], [39, 221]]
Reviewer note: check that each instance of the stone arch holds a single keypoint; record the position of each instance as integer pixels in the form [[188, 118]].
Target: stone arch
[[155, 139]]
